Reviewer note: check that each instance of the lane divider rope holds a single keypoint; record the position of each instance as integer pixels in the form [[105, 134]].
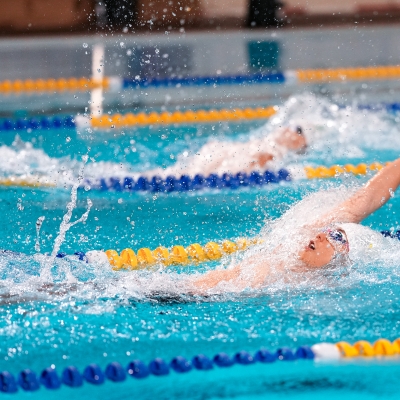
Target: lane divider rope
[[199, 182], [200, 116], [139, 119], [27, 182], [51, 85], [271, 78], [352, 73], [186, 183], [288, 77], [214, 181], [116, 83], [179, 255], [120, 121], [42, 123], [336, 170], [71, 376], [194, 254]]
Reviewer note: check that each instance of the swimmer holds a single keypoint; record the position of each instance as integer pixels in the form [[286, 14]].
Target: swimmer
[[333, 239], [218, 157]]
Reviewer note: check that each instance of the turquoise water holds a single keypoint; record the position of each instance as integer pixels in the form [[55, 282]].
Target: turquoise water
[[102, 316]]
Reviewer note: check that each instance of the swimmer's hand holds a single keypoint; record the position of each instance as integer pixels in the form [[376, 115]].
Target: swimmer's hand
[[369, 198], [264, 158]]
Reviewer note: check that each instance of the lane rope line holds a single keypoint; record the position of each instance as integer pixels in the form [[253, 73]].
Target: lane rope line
[[227, 181], [52, 85], [199, 182], [194, 254], [178, 255], [120, 121], [336, 170], [178, 117], [27, 380], [116, 83]]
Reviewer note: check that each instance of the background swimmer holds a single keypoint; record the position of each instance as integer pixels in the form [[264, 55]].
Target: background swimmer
[[232, 157], [334, 239]]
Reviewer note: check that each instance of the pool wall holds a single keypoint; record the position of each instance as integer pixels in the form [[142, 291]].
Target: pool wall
[[202, 53]]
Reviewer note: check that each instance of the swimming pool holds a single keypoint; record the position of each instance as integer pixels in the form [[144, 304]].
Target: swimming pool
[[102, 316]]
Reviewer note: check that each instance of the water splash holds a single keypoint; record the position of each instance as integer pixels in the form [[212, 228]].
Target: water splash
[[66, 224], [332, 132], [22, 158], [321, 118], [39, 224]]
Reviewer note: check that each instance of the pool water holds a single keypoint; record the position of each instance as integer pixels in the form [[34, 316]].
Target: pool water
[[65, 312]]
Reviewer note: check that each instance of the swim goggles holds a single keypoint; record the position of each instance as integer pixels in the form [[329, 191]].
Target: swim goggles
[[337, 239]]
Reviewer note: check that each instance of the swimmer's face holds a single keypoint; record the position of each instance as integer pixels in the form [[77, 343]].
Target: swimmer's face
[[292, 140], [318, 252]]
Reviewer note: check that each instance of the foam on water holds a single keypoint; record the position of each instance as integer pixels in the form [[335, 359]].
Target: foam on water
[[333, 134], [44, 278], [323, 122], [335, 131]]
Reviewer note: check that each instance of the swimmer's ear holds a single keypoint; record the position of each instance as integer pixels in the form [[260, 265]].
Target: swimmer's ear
[[303, 150]]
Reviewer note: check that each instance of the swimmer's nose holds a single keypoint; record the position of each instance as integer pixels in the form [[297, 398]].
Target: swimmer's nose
[[321, 237]]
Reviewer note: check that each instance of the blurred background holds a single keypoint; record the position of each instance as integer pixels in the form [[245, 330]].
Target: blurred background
[[52, 16], [141, 41]]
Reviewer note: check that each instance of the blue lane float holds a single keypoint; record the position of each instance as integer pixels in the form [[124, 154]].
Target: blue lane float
[[8, 384], [94, 374], [185, 183], [72, 377], [115, 372], [37, 123], [27, 380], [274, 77], [49, 378], [138, 369], [391, 233]]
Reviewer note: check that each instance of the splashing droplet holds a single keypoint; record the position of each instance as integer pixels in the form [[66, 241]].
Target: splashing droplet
[[39, 224]]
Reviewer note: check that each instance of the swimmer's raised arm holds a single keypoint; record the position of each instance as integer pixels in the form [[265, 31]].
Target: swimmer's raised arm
[[373, 195]]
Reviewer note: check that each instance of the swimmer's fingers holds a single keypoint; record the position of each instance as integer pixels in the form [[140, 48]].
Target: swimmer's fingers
[[264, 158]]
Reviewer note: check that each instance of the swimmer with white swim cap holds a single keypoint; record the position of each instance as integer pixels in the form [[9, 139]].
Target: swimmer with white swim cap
[[219, 157], [284, 140], [334, 237], [255, 154]]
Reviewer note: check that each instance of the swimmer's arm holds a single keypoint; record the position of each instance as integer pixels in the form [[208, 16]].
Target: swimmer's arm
[[256, 279], [373, 195], [212, 278]]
